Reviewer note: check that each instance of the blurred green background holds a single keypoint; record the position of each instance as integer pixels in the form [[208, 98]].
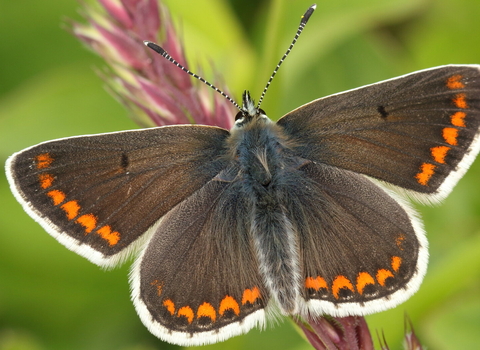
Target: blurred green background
[[50, 298]]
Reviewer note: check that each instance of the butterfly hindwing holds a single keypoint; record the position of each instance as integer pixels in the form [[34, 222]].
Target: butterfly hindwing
[[197, 281], [419, 132], [361, 250], [89, 191]]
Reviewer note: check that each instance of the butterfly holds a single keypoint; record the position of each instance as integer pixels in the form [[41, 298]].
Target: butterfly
[[305, 216]]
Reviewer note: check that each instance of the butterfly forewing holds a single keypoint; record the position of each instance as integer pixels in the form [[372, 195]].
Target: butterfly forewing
[[198, 280], [418, 132], [98, 194]]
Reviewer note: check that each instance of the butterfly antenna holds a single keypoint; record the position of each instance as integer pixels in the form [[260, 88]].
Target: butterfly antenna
[[303, 22], [164, 53]]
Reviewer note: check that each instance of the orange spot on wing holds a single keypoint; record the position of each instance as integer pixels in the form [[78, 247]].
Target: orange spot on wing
[[382, 276], [460, 101], [207, 310], [316, 283], [250, 295], [159, 286], [89, 221], [364, 279], [187, 312], [396, 263], [439, 153], [399, 240], [71, 208], [454, 82], [43, 160], [106, 233], [46, 180], [458, 119], [450, 136], [57, 196], [228, 303], [169, 305], [426, 172], [339, 283]]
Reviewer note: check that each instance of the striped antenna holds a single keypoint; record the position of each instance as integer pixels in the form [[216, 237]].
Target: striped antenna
[[303, 22], [164, 53]]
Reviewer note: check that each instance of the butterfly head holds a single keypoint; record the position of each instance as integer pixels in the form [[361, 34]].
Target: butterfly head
[[249, 112]]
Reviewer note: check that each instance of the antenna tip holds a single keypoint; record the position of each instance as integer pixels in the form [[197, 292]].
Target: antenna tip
[[154, 47], [308, 13]]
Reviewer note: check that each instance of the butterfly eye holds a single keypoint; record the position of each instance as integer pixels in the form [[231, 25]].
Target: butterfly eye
[[239, 116]]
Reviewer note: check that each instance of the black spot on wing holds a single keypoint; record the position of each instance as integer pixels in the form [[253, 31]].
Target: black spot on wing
[[382, 111], [124, 161]]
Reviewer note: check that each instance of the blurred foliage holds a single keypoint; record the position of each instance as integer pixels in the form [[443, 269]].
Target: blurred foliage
[[50, 298]]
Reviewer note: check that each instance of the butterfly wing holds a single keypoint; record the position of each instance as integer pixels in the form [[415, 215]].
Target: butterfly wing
[[362, 251], [197, 281], [419, 132], [98, 194]]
